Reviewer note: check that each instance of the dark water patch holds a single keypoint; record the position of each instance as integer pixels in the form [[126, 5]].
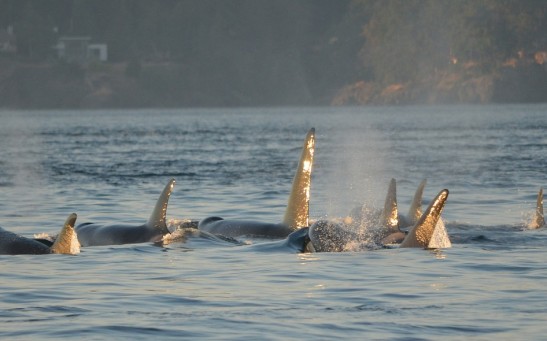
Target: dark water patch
[[127, 331], [42, 313], [61, 309], [471, 329], [496, 268], [4, 183], [178, 300], [377, 308]]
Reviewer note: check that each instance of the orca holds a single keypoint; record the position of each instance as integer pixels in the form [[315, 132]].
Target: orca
[[332, 236], [395, 233], [296, 242], [296, 213], [390, 217], [415, 210], [65, 243], [539, 219], [240, 228], [91, 234], [428, 233], [187, 231], [388, 221]]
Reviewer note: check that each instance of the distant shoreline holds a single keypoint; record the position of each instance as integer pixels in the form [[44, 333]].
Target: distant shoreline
[[174, 85]]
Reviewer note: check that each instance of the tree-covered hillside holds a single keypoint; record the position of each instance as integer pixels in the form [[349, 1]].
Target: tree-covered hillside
[[282, 52]]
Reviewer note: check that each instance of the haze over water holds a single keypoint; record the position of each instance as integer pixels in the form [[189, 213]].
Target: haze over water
[[110, 166]]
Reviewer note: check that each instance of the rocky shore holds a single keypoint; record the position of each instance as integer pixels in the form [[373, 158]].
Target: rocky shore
[[506, 84]]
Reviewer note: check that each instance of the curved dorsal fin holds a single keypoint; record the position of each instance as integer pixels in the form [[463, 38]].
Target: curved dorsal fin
[[539, 218], [415, 211], [67, 241], [298, 206], [390, 217], [423, 231], [157, 219]]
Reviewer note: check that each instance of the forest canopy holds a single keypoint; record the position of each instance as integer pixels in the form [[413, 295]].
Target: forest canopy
[[285, 51]]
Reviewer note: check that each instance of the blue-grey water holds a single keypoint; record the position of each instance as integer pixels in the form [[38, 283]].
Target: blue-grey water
[[111, 165]]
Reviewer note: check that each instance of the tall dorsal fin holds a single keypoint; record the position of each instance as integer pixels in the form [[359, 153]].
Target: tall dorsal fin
[[415, 211], [539, 218], [423, 231], [158, 217], [298, 206], [67, 241], [390, 215]]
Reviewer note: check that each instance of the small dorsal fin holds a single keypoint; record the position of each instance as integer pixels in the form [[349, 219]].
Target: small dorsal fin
[[415, 211], [297, 211], [158, 217], [390, 215], [539, 218], [423, 231], [67, 241]]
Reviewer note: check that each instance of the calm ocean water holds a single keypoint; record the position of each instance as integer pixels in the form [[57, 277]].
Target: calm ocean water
[[110, 166]]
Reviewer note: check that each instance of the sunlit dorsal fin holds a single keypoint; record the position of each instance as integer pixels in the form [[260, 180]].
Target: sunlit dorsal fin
[[67, 241], [157, 219], [415, 211], [539, 218], [297, 212], [390, 217], [439, 239], [423, 231]]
